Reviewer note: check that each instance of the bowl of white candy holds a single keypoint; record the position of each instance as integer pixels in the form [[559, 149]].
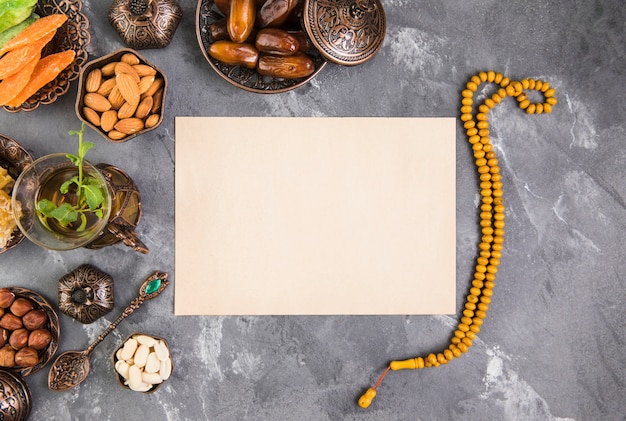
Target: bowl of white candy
[[142, 362]]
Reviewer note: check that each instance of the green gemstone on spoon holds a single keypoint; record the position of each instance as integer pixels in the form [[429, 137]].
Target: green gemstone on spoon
[[153, 286]]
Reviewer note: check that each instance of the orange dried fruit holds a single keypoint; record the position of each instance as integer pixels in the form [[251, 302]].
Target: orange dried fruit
[[13, 85], [37, 30], [14, 60], [46, 70]]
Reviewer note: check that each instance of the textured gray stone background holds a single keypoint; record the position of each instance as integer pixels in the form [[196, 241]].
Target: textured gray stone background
[[552, 346]]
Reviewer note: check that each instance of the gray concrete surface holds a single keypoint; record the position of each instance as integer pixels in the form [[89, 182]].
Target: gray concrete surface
[[552, 346]]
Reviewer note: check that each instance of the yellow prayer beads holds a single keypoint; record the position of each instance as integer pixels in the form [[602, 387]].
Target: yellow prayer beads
[[491, 215]]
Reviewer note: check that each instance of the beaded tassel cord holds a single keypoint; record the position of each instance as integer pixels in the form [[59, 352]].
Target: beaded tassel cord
[[491, 215]]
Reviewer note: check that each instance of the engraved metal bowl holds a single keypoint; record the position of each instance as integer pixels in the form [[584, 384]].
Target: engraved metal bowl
[[52, 325], [244, 78], [101, 62], [73, 35], [114, 360], [14, 158], [15, 397]]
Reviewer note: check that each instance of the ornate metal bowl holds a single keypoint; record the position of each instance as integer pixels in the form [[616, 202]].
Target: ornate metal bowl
[[72, 35], [52, 325], [15, 397], [14, 158], [241, 77]]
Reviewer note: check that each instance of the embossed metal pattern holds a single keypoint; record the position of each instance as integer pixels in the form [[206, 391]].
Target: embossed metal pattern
[[86, 294], [244, 78], [14, 158], [125, 212], [347, 32], [154, 28], [72, 35], [15, 397], [53, 326]]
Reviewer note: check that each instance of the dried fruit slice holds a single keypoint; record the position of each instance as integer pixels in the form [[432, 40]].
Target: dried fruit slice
[[46, 70], [39, 29], [14, 60], [13, 85]]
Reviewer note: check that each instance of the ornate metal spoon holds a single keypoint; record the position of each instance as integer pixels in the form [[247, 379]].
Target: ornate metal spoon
[[72, 367]]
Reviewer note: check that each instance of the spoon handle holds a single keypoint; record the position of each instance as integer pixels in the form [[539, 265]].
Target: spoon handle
[[149, 289]]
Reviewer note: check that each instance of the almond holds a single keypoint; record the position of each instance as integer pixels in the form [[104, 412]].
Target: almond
[[144, 70], [109, 69], [127, 69], [106, 87], [152, 120], [96, 102], [126, 110], [108, 120], [94, 79], [128, 88], [116, 98], [130, 58], [144, 107], [157, 101], [115, 135], [92, 116], [145, 83], [129, 125], [156, 85]]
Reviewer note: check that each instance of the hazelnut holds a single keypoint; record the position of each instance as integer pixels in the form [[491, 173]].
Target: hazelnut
[[1, 312], [26, 357], [19, 338], [35, 319], [6, 297], [10, 322], [4, 336], [39, 339], [7, 356], [21, 306]]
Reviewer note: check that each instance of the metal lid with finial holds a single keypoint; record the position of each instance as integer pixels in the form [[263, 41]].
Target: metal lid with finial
[[347, 32]]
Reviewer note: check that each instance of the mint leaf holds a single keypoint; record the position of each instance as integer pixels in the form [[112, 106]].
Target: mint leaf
[[93, 195], [65, 187], [74, 158], [46, 207], [65, 214], [85, 147]]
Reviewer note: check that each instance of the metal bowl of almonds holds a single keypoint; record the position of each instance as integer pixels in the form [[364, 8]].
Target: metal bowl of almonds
[[121, 95], [29, 331], [142, 362]]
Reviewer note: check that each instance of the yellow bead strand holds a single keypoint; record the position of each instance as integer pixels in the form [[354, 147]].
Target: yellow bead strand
[[492, 212]]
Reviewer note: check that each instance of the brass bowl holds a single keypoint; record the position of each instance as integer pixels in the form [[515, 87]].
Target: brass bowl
[[244, 78], [114, 359], [14, 158], [72, 35], [52, 325], [98, 64], [15, 397]]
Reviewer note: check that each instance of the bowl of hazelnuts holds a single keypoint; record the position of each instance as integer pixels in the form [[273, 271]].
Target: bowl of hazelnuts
[[29, 330]]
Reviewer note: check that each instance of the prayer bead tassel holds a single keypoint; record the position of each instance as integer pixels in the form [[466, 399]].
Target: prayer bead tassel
[[492, 213]]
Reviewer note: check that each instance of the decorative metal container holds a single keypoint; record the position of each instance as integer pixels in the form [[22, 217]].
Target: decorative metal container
[[86, 294], [15, 397], [73, 35], [144, 24]]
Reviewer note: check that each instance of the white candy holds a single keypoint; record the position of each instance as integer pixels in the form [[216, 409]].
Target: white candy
[[134, 377], [143, 362], [166, 369], [141, 355], [151, 378], [122, 368], [146, 340], [152, 364], [161, 350], [129, 349]]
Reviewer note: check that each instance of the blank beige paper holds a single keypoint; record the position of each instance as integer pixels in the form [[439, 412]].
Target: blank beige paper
[[315, 216]]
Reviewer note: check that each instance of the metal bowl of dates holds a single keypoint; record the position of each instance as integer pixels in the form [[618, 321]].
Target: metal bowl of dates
[[266, 72]]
